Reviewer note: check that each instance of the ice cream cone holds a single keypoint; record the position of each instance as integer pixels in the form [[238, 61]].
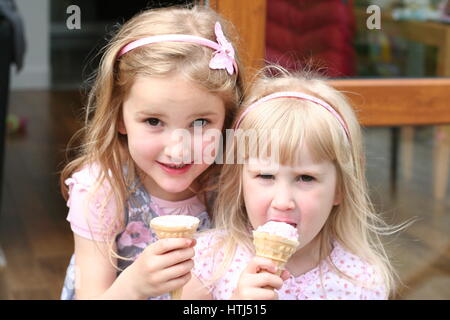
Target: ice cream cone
[[164, 232], [175, 227], [274, 247]]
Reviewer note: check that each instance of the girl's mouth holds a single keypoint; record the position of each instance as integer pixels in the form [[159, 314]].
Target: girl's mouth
[[285, 221], [175, 168]]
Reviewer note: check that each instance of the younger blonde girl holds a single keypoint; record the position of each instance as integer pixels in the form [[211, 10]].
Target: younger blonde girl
[[310, 174]]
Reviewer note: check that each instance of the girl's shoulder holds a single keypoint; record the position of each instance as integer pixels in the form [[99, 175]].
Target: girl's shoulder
[[84, 188], [209, 239], [206, 254], [92, 210], [358, 270], [210, 246], [88, 176], [351, 264], [213, 245], [215, 265]]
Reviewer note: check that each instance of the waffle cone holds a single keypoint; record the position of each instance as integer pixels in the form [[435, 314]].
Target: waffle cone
[[275, 248], [164, 232], [176, 294]]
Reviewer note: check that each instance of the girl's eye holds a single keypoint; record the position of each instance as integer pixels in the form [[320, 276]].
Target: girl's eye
[[200, 123], [154, 122], [265, 176], [305, 178]]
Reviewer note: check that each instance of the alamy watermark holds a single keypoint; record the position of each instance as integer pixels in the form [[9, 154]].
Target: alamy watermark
[[206, 146], [374, 20], [73, 21]]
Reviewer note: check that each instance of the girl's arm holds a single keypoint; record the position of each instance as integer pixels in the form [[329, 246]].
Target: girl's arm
[[195, 290], [94, 273]]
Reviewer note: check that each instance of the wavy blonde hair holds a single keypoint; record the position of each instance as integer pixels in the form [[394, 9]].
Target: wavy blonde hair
[[354, 222], [101, 143]]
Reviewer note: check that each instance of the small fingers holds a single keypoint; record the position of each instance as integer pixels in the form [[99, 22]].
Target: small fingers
[[258, 264], [167, 260], [171, 284], [258, 286], [176, 271], [266, 293], [266, 279], [176, 256], [166, 245], [285, 275], [179, 282]]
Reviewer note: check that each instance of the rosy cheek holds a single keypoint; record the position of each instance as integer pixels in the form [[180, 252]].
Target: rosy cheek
[[312, 220], [259, 205], [146, 147]]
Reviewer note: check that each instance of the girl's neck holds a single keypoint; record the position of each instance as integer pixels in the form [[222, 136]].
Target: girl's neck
[[305, 259]]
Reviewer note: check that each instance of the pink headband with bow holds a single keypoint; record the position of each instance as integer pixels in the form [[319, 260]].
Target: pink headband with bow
[[297, 95], [223, 57]]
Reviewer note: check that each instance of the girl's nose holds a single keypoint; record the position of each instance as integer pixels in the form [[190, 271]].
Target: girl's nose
[[178, 150], [283, 200]]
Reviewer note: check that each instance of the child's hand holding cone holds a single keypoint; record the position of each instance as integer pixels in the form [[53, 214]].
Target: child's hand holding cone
[[275, 242], [176, 226]]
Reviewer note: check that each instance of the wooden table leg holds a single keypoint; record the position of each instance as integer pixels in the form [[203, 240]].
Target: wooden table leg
[[395, 135], [407, 148], [441, 157]]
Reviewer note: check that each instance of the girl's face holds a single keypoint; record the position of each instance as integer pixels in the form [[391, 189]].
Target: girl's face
[[168, 122], [302, 195]]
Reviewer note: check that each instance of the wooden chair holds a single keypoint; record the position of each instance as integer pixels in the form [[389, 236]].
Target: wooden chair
[[437, 35]]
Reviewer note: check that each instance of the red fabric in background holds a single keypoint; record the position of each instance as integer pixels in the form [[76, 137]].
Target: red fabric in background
[[320, 32]]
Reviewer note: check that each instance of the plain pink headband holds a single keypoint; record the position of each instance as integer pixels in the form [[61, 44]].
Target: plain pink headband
[[223, 56], [298, 95]]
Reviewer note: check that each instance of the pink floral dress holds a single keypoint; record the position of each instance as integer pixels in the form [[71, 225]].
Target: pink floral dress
[[362, 281], [136, 236]]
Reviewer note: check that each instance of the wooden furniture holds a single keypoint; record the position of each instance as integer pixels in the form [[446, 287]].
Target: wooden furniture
[[437, 35], [403, 102]]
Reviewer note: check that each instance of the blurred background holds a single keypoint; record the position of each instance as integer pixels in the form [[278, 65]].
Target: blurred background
[[46, 58]]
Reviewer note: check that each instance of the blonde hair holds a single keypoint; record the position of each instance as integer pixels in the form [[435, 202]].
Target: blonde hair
[[101, 143], [354, 222]]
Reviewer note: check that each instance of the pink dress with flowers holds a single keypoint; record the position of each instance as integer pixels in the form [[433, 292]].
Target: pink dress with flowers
[[362, 283], [88, 220]]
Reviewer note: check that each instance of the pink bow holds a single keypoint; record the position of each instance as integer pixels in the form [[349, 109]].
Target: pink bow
[[223, 58]]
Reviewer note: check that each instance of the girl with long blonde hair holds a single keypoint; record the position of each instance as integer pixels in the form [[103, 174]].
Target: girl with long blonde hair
[[304, 168], [165, 70]]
